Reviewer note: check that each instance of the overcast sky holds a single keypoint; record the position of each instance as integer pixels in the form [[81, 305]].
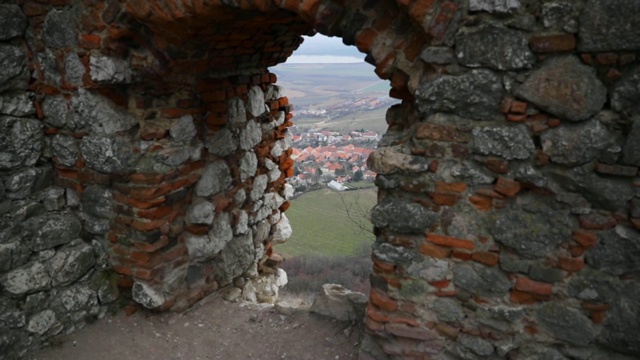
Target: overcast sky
[[320, 48]]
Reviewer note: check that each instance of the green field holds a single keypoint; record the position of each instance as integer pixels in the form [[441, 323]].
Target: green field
[[321, 225]]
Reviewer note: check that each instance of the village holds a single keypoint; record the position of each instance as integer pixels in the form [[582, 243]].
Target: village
[[331, 158]]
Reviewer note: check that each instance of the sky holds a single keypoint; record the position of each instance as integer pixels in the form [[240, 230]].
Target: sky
[[323, 49]]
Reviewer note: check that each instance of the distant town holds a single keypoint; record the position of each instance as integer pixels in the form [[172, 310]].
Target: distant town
[[331, 158]]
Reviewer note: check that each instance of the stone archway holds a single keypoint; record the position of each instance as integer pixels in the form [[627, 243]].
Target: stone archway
[[508, 215]]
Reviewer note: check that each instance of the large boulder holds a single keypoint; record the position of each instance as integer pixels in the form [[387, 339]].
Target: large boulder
[[475, 95], [494, 47], [566, 88]]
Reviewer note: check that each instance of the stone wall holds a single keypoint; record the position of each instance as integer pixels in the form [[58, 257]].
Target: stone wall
[[145, 149]]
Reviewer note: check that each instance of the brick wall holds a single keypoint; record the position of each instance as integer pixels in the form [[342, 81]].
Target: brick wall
[[144, 147]]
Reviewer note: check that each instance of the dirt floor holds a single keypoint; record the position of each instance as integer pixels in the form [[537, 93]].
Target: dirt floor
[[213, 329]]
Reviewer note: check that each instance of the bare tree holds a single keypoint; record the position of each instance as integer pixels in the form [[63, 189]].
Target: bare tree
[[358, 214]]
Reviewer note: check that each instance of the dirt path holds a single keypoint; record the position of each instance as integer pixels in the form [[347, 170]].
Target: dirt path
[[213, 329]]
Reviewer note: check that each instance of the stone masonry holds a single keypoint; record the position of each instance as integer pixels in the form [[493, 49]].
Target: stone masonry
[[144, 150]]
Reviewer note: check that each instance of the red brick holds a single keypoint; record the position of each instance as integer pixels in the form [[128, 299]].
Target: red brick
[[147, 225], [404, 331], [155, 213], [451, 187], [496, 165], [534, 287], [617, 170], [570, 264], [435, 251], [521, 297], [486, 257], [551, 43], [90, 41], [507, 186], [450, 241], [373, 325], [385, 267], [460, 255], [443, 284], [481, 202], [365, 40], [607, 59], [553, 122], [516, 117], [375, 315], [152, 247], [444, 199], [448, 330], [382, 301], [518, 107], [598, 316]]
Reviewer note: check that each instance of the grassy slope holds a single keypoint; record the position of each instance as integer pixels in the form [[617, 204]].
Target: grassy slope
[[321, 226]]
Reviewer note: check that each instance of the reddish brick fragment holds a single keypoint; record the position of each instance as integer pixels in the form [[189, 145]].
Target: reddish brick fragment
[[450, 241], [534, 287]]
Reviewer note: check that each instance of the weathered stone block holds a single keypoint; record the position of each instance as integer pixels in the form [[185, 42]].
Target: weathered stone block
[[17, 103], [603, 192], [216, 178], [106, 154], [73, 69], [41, 322], [205, 247], [59, 29], [14, 74], [475, 95], [248, 165], [12, 21], [621, 325], [57, 112], [100, 115], [494, 47], [607, 25], [437, 55], [236, 113], [251, 135], [236, 258], [531, 235], [566, 324], [255, 104], [201, 213], [77, 298], [566, 88], [69, 264], [576, 144], [481, 280], [616, 252], [51, 229], [183, 129], [401, 216], [494, 6], [20, 184], [625, 94], [110, 70], [389, 161], [146, 295], [223, 143], [507, 142], [447, 310], [21, 141], [27, 279]]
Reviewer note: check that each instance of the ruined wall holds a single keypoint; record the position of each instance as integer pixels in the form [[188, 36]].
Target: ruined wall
[[144, 144]]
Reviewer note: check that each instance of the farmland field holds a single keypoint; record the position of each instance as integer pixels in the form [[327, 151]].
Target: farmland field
[[321, 225]]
